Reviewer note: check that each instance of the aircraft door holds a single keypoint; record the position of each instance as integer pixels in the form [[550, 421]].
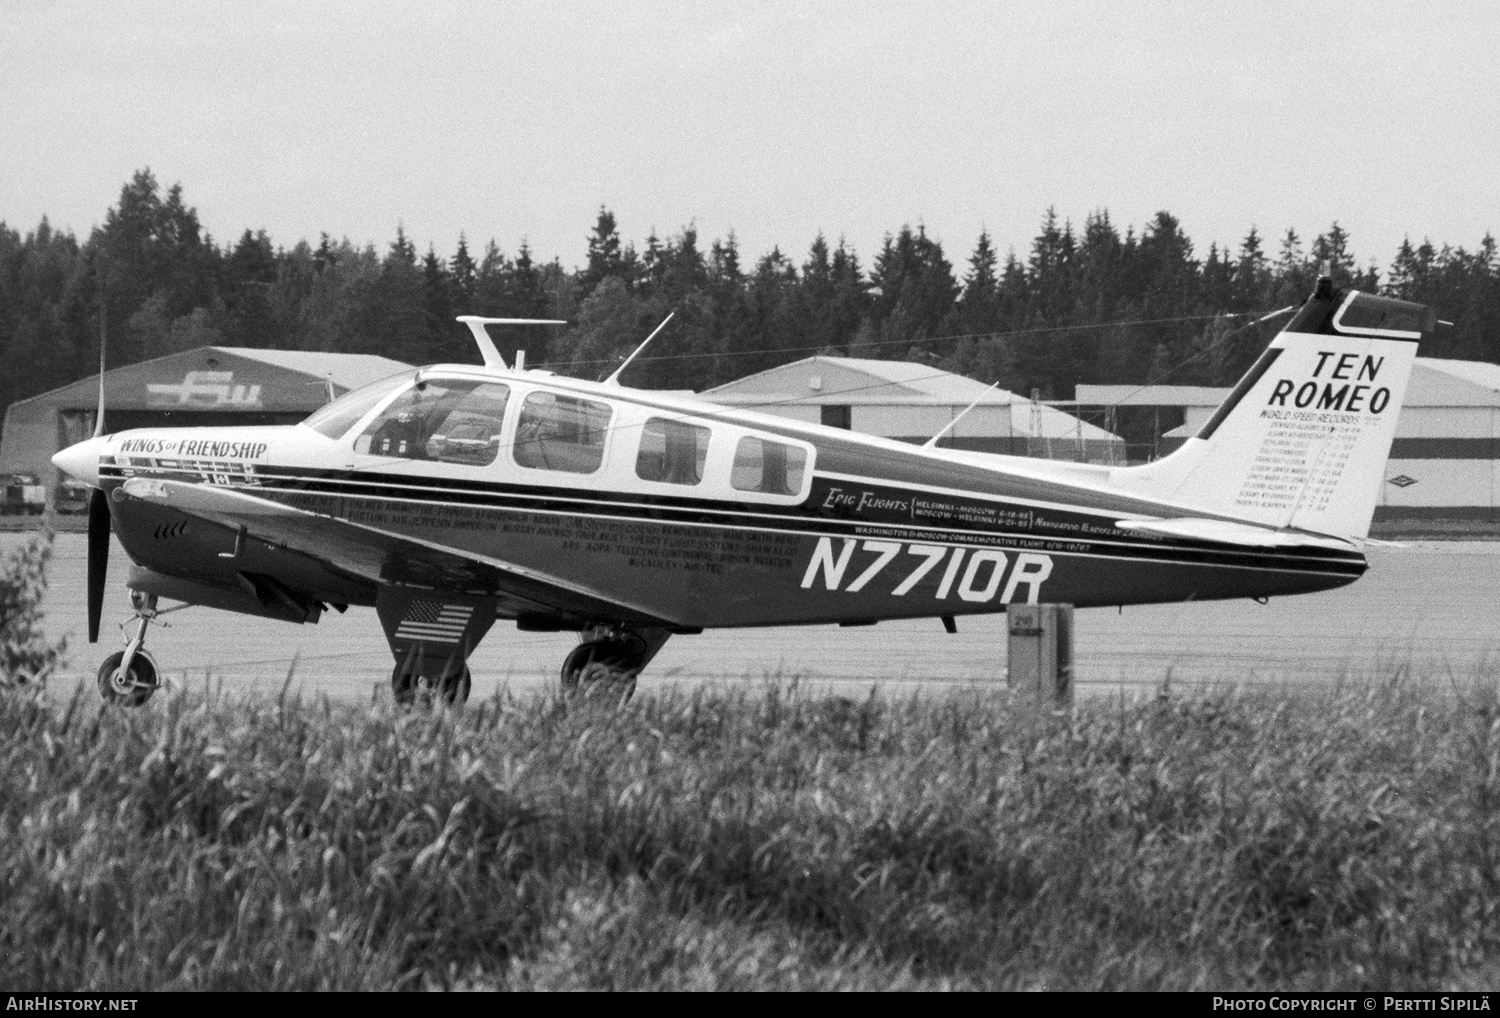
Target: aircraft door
[[563, 433]]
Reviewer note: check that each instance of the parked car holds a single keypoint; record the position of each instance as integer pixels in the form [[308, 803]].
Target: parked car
[[71, 498], [22, 494]]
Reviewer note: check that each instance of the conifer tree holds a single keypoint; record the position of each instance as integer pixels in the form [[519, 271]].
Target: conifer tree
[[979, 301], [464, 274], [248, 274], [1332, 249], [851, 297], [443, 333], [605, 257], [325, 256], [402, 249]]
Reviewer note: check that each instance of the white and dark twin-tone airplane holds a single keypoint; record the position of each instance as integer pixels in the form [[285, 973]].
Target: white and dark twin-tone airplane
[[453, 496]]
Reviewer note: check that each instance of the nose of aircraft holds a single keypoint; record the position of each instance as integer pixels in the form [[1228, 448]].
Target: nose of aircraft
[[81, 460]]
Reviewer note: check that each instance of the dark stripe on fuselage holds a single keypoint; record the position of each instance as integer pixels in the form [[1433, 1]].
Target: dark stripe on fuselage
[[1017, 525]]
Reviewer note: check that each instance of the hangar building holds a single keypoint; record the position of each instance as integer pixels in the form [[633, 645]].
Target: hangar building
[[1444, 468], [209, 386], [912, 402]]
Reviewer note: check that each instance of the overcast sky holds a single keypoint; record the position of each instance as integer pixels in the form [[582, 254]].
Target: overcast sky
[[776, 120]]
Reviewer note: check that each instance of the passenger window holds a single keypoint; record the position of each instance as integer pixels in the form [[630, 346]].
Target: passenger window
[[561, 433], [768, 466], [672, 452], [447, 421]]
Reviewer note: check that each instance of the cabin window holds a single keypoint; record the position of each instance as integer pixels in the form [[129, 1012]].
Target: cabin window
[[561, 433], [449, 421], [672, 452], [770, 467], [333, 420]]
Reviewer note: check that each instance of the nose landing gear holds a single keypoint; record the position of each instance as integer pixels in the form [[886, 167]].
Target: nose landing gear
[[129, 677]]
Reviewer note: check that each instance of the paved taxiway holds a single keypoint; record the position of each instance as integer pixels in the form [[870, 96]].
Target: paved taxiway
[[1431, 605]]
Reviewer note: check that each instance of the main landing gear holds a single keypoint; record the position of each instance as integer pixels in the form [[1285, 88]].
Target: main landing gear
[[130, 676], [431, 634], [411, 688], [609, 659]]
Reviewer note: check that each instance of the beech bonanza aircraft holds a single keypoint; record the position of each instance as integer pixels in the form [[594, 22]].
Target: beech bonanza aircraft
[[454, 495]]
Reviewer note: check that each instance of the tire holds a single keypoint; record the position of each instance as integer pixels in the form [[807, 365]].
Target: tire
[[411, 690], [597, 665], [143, 680]]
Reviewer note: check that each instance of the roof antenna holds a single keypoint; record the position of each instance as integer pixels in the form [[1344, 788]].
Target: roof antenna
[[614, 379], [487, 350], [931, 443]]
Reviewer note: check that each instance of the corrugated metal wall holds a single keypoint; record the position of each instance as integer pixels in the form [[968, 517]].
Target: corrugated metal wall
[[1443, 466]]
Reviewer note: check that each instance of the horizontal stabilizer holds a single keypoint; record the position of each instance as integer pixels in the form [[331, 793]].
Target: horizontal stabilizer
[[1227, 532], [487, 349]]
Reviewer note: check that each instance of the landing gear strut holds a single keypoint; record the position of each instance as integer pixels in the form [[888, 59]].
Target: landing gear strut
[[129, 676], [609, 659]]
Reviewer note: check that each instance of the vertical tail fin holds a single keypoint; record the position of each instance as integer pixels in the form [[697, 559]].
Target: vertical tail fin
[[1303, 438]]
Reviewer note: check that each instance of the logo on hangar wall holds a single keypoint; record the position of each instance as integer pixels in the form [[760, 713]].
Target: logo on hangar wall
[[205, 390]]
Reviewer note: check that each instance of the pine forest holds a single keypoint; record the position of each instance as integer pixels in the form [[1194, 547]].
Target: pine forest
[[1081, 304]]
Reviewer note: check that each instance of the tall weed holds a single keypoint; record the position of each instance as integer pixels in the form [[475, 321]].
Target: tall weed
[[732, 838], [26, 657]]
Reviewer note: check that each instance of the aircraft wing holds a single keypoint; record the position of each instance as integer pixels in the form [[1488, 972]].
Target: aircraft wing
[[383, 557], [1229, 532]]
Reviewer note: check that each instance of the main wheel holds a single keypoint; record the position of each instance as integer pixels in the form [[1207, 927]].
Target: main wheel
[[601, 665], [411, 689], [132, 690]]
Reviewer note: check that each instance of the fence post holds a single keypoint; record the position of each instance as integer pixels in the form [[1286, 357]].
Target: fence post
[[1040, 660]]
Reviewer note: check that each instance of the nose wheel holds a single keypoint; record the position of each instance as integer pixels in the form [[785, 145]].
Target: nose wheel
[[130, 686], [128, 677]]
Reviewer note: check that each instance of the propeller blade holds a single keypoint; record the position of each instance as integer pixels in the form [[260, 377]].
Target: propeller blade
[[99, 528]]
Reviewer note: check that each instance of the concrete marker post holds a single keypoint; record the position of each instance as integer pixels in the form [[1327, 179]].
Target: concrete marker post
[[1040, 662]]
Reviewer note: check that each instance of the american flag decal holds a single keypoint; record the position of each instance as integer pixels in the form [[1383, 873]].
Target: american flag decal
[[434, 621]]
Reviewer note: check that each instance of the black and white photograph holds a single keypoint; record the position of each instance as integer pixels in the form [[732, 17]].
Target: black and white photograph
[[787, 495]]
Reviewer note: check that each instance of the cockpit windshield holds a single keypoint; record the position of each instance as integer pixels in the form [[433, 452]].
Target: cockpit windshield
[[334, 419]]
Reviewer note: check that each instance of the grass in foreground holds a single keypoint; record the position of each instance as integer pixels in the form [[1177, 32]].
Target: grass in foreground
[[754, 838]]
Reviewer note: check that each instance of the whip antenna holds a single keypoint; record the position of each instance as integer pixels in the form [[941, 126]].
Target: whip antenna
[[932, 442], [614, 379]]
